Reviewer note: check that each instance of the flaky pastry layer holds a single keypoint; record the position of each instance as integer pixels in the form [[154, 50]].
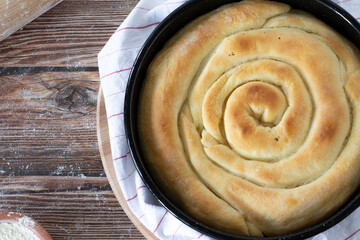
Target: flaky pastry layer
[[249, 119]]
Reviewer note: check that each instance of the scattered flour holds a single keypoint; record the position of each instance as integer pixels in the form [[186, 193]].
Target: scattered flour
[[10, 213], [58, 172], [26, 221], [15, 231], [82, 175]]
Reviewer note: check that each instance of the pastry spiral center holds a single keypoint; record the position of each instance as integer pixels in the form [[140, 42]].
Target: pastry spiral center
[[252, 110], [260, 109]]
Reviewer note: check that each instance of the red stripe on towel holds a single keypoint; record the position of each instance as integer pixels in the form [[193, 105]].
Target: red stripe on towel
[[160, 222], [135, 194], [141, 27], [131, 198], [121, 157], [114, 94], [122, 70], [118, 114], [173, 2], [133, 171], [352, 234], [199, 236], [121, 135], [343, 1], [146, 9], [173, 237], [118, 50]]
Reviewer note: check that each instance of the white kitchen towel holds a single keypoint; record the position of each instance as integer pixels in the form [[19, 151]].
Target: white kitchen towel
[[115, 63]]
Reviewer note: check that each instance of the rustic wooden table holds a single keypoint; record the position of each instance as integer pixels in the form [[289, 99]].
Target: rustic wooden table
[[50, 167]]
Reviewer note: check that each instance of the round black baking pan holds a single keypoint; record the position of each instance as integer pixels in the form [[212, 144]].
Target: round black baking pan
[[325, 10]]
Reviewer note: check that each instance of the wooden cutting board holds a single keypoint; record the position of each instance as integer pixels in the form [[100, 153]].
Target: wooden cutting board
[[14, 14], [107, 160]]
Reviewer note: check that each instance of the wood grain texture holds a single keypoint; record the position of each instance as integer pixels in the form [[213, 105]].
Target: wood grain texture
[[49, 117], [70, 34], [50, 167], [68, 208]]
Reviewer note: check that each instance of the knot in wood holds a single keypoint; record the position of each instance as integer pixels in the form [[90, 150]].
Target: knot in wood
[[73, 97]]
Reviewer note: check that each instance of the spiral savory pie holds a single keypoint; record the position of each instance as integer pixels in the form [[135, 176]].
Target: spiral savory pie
[[249, 119]]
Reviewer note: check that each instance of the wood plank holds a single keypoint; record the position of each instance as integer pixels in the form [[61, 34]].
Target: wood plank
[[70, 34], [47, 124], [68, 207], [47, 184], [15, 14]]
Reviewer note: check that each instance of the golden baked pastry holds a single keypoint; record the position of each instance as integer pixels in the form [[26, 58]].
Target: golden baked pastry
[[249, 118]]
